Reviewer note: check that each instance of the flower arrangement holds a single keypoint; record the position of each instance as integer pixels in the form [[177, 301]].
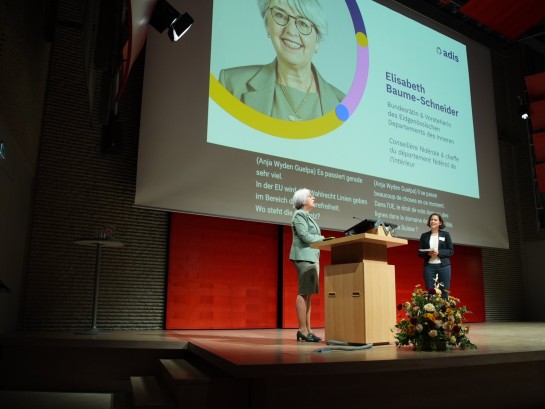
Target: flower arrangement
[[433, 323]]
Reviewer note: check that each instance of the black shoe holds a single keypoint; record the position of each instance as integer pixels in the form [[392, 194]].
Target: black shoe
[[300, 336], [308, 338], [314, 337]]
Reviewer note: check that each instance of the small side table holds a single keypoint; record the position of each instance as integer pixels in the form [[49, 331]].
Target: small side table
[[98, 244]]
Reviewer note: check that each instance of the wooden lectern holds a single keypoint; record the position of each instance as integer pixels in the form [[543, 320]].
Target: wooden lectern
[[360, 293]]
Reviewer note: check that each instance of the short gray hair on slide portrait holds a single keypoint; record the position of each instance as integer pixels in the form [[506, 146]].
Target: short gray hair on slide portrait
[[309, 9]]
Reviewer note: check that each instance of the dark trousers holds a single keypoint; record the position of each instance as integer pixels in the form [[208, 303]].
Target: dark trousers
[[443, 273]]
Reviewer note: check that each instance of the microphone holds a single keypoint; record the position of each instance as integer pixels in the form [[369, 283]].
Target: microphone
[[354, 229]]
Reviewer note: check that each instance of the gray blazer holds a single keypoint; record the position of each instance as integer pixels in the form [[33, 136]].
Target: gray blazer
[[254, 85], [305, 231]]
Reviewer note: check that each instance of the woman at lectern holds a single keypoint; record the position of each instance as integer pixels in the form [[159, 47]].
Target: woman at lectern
[[305, 259], [436, 248]]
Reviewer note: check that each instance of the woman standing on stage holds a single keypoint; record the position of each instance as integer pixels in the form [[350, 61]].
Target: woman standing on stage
[[305, 259], [436, 248]]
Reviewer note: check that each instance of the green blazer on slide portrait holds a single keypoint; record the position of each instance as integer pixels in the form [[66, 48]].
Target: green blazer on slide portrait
[[254, 85]]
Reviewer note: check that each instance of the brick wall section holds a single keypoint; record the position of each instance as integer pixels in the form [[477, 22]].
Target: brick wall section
[[78, 190]]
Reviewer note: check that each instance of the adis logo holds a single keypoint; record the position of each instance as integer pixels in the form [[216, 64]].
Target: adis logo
[[448, 54]]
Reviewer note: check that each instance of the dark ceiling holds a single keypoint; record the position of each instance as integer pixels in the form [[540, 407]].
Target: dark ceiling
[[498, 24], [503, 25]]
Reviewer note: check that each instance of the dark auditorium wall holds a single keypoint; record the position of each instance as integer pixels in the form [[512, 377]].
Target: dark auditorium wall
[[512, 286], [78, 189], [24, 61]]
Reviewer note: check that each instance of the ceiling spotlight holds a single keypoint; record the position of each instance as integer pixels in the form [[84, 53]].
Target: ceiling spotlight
[[180, 26], [165, 16], [523, 107], [523, 111]]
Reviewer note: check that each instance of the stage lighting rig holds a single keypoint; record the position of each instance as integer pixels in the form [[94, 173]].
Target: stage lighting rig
[[165, 16]]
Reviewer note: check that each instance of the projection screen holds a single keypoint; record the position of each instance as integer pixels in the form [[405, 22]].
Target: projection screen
[[412, 130]]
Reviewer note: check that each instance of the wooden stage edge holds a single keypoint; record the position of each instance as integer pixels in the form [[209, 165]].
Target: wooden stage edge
[[272, 352]]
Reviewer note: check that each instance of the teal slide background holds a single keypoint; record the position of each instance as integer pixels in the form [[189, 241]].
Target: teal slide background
[[368, 143]]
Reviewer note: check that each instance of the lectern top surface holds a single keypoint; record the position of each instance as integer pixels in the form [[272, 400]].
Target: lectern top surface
[[387, 241]]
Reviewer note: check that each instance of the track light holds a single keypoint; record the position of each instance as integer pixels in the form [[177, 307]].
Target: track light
[[523, 111], [180, 26], [523, 108], [165, 16]]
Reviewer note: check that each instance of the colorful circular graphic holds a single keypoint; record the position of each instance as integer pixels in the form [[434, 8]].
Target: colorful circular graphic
[[315, 127]]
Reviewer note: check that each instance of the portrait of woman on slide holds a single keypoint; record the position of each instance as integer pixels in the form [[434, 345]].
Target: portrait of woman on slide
[[290, 87]]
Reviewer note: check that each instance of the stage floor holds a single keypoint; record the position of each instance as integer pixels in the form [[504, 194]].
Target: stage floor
[[270, 369], [266, 352]]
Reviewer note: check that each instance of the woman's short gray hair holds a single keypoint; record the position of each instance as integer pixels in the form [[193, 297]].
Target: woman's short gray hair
[[299, 198], [309, 9]]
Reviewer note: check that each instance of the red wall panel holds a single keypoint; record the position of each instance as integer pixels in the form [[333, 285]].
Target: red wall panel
[[539, 146], [540, 173], [224, 273], [535, 86], [537, 114]]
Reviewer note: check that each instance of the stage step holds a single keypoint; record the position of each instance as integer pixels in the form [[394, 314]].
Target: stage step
[[199, 385], [148, 394], [61, 400], [188, 384]]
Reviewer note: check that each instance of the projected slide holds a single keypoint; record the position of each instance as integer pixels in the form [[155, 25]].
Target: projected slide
[[370, 106], [408, 100]]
